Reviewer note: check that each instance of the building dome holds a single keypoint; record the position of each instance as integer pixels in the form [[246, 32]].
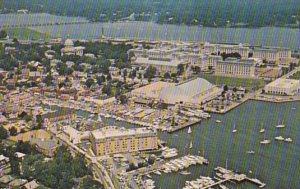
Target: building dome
[[69, 43]]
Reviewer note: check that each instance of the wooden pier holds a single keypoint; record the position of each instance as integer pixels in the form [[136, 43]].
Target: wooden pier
[[177, 128], [229, 176]]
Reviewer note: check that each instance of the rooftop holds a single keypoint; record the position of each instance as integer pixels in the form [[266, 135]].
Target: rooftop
[[173, 63], [284, 83], [112, 131]]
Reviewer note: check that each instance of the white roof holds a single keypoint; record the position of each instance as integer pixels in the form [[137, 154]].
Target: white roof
[[185, 91], [2, 157], [69, 42], [284, 83], [111, 131], [152, 90], [173, 63]]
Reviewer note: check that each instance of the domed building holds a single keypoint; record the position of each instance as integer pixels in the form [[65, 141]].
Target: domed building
[[69, 49]]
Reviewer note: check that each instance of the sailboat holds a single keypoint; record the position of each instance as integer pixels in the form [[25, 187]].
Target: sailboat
[[262, 130], [191, 145], [189, 130], [234, 130], [265, 141], [280, 125]]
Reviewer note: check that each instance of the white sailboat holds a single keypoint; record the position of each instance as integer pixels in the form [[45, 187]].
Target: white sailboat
[[234, 129], [280, 138], [265, 141], [262, 130], [280, 125], [250, 152], [191, 145], [189, 130]]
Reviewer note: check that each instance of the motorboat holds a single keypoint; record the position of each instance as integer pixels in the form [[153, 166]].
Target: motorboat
[[234, 129], [280, 125], [280, 138], [185, 173], [218, 121], [265, 142], [288, 140]]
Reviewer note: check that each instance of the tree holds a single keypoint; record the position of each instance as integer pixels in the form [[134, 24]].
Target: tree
[[79, 166], [151, 159], [225, 88], [39, 122], [87, 182], [13, 131], [167, 75], [14, 165], [150, 72], [89, 82], [3, 133], [25, 147], [180, 69], [123, 99], [107, 90], [48, 79], [3, 34]]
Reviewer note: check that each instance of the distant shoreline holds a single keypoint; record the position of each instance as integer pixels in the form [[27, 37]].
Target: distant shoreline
[[86, 20]]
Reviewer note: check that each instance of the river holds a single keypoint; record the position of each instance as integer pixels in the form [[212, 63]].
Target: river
[[267, 36]]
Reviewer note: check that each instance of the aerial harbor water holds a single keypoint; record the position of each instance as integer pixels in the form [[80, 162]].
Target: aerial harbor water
[[275, 164]]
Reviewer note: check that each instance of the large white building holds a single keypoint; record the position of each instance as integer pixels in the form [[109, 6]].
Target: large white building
[[226, 48], [191, 92], [69, 49], [234, 67], [275, 55], [162, 65], [112, 140], [283, 87], [195, 91]]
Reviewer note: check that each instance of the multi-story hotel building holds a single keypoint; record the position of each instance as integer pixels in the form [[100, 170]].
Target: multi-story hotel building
[[111, 140], [234, 67]]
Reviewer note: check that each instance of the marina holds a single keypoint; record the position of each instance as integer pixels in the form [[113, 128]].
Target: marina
[[248, 123], [223, 176]]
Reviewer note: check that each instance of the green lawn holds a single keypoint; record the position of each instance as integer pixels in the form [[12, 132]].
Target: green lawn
[[295, 76], [26, 33], [231, 81]]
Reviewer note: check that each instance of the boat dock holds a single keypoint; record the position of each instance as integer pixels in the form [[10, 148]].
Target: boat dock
[[179, 127], [224, 175]]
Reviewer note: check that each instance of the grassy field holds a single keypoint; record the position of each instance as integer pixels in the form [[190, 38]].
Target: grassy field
[[231, 81], [295, 76], [26, 33]]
